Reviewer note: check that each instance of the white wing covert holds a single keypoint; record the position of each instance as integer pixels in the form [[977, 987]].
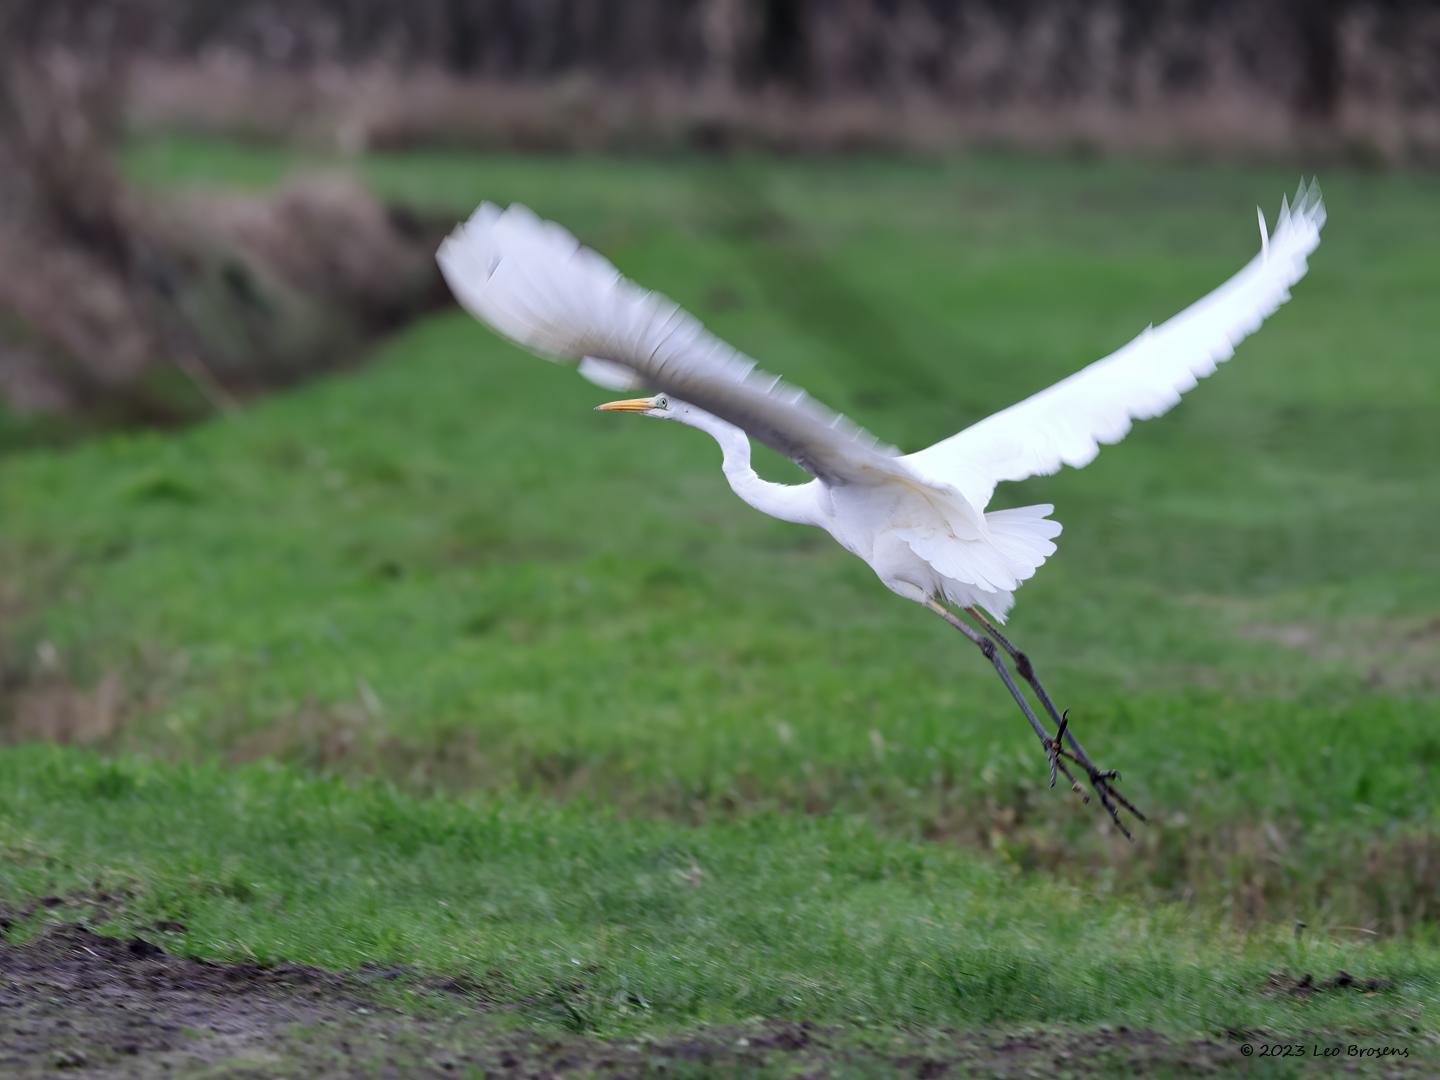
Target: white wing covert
[[1067, 423], [534, 283]]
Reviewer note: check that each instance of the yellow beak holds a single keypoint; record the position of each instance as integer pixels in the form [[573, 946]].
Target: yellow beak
[[639, 404]]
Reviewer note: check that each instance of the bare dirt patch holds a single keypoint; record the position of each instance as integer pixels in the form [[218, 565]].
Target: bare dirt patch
[[62, 712], [77, 1003], [42, 699], [1398, 654], [81, 1002]]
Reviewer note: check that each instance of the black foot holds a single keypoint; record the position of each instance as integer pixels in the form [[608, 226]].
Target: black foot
[[1056, 746], [1101, 780]]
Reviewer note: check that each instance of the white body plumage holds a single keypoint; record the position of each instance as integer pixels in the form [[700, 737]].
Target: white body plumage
[[920, 521]]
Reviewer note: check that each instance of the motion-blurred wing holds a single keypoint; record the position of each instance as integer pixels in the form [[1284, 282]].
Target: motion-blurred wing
[[533, 282], [1066, 424]]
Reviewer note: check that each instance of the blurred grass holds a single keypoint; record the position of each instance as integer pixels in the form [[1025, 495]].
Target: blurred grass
[[582, 921], [448, 570]]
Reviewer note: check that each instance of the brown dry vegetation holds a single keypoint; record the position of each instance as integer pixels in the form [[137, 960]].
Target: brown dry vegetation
[[1349, 78], [1358, 78], [118, 307], [355, 109]]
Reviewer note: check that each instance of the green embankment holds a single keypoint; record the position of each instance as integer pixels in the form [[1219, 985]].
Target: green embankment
[[624, 725]]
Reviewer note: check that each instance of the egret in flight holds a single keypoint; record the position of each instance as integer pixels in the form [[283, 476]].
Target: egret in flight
[[919, 520]]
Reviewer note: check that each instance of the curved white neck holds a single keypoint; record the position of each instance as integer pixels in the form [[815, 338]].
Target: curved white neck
[[788, 502]]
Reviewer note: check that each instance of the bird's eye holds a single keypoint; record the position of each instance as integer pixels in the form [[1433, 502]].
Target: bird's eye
[[662, 402]]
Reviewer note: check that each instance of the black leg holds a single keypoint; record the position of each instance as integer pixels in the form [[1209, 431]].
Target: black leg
[[987, 647], [1053, 747], [1022, 663], [1027, 672], [1101, 780]]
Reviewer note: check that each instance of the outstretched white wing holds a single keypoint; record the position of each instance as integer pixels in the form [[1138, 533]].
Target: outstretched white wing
[[1066, 424], [533, 282]]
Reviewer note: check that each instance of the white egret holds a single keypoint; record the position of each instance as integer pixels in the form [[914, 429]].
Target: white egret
[[919, 520]]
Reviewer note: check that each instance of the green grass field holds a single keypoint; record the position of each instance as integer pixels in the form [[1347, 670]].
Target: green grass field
[[549, 701]]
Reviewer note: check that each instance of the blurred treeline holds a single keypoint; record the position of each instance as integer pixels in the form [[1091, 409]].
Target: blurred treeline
[[1354, 77]]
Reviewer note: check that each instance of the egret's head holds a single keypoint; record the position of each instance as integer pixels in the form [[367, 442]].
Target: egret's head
[[661, 406]]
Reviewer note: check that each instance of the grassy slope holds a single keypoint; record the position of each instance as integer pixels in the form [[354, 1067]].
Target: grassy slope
[[615, 926], [448, 570]]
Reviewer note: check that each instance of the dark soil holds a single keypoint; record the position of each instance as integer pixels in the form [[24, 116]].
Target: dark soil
[[1305, 985], [77, 1003]]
